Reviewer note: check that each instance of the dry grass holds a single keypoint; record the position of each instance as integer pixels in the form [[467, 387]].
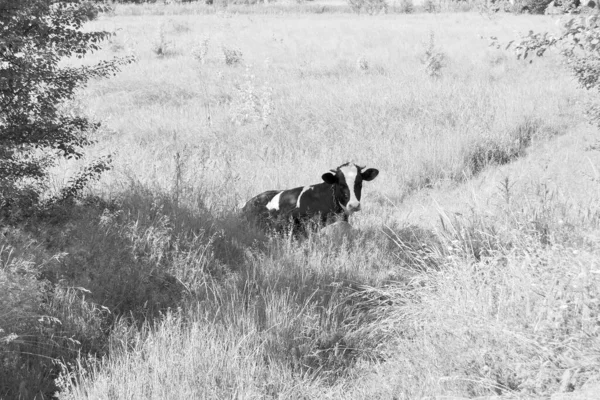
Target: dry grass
[[417, 130], [473, 270]]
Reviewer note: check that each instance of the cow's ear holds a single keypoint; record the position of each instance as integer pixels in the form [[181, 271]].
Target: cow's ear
[[369, 174], [330, 178]]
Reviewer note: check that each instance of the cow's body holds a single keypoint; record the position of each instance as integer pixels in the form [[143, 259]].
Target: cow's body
[[322, 203]]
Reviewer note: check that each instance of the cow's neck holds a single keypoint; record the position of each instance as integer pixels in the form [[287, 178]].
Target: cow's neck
[[326, 192]]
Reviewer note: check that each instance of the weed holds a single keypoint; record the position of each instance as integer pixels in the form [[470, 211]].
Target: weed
[[433, 60], [179, 27], [232, 56], [252, 104], [117, 44], [161, 46], [362, 64], [371, 7], [201, 50]]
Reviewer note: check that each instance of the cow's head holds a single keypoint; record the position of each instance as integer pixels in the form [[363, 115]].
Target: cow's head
[[347, 182]]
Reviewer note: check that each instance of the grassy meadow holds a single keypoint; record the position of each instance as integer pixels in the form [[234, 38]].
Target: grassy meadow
[[473, 269]]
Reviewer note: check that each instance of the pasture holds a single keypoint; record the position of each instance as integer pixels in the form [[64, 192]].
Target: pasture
[[298, 100], [473, 267]]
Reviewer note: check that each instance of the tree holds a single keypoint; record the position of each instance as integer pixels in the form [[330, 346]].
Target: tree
[[35, 128]]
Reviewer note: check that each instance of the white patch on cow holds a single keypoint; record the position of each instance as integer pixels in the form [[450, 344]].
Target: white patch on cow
[[350, 172], [274, 203], [304, 189]]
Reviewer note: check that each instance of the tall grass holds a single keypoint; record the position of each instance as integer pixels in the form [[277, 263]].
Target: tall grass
[[488, 305], [485, 109], [183, 300]]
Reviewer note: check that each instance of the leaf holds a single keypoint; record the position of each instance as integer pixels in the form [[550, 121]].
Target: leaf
[[39, 33]]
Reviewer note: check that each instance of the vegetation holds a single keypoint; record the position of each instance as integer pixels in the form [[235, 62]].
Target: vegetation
[[579, 45], [535, 6], [472, 269], [35, 128], [370, 7]]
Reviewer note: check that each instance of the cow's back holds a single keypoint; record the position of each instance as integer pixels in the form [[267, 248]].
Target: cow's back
[[255, 210], [259, 202]]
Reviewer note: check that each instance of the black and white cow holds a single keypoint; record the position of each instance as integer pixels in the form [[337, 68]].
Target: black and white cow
[[332, 200]]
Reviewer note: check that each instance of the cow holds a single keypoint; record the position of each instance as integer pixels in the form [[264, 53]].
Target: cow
[[332, 200]]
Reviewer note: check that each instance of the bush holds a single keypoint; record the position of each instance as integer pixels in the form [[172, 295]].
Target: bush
[[371, 7], [90, 10], [430, 6], [40, 323], [34, 128], [232, 56], [535, 6], [578, 43], [200, 51], [433, 60], [161, 46], [406, 7]]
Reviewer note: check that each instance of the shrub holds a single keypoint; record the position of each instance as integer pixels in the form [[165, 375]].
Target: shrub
[[201, 50], [362, 63], [251, 104], [406, 7], [433, 59], [161, 46], [371, 7], [232, 56], [91, 11], [40, 323], [535, 6], [430, 6], [578, 43], [35, 128]]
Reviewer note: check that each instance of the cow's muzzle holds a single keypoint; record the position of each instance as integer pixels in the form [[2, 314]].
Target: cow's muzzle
[[352, 207]]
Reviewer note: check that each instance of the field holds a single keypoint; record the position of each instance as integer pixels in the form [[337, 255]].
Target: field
[[473, 269]]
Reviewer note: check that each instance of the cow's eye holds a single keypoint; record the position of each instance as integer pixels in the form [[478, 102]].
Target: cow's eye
[[346, 193]]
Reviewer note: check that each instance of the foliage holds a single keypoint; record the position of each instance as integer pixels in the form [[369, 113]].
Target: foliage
[[362, 63], [200, 52], [232, 56], [161, 46], [252, 104], [90, 172], [371, 7], [494, 151], [406, 7], [433, 60], [431, 6], [35, 129], [535, 6], [88, 7], [273, 318], [578, 43], [40, 323]]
